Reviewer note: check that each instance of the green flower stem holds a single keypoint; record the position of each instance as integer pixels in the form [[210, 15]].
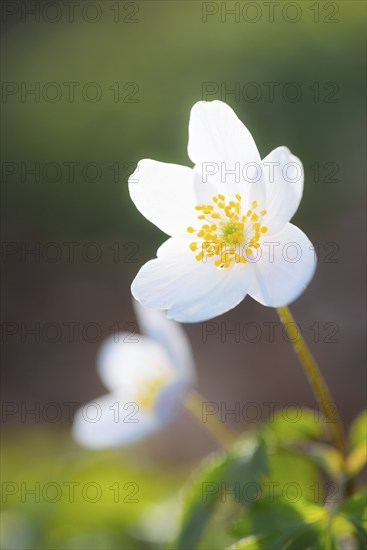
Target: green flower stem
[[220, 432], [315, 377]]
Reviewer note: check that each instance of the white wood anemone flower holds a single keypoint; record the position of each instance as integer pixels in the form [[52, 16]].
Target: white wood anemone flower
[[148, 377], [228, 222]]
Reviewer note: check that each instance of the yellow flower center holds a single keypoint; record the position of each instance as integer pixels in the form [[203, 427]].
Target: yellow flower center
[[226, 233], [147, 394]]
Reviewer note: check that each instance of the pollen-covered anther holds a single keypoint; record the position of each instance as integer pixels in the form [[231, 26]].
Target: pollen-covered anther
[[233, 237]]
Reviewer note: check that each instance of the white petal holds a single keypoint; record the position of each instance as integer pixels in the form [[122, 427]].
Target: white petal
[[216, 133], [127, 360], [286, 266], [170, 336], [191, 291], [112, 420], [218, 144], [284, 187], [205, 191], [164, 194]]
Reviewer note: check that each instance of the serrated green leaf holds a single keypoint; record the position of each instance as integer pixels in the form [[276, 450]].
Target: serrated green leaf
[[221, 475], [358, 430], [211, 472], [248, 463], [282, 525]]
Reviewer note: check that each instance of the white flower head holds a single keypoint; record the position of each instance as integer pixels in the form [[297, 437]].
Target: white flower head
[[228, 221], [148, 378]]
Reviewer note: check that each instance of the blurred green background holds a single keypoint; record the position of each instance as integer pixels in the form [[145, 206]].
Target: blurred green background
[[150, 61]]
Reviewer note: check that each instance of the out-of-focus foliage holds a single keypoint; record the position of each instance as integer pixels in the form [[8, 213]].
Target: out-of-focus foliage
[[278, 495], [55, 495], [358, 442], [264, 491], [279, 524], [358, 430], [221, 476]]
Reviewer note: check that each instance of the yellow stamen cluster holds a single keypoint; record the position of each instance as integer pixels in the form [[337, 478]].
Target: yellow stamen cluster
[[147, 394], [226, 232]]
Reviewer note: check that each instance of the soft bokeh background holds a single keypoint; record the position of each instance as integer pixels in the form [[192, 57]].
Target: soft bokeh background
[[162, 54]]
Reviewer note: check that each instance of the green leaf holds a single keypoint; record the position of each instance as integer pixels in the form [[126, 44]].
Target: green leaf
[[249, 543], [290, 467], [326, 457], [319, 541], [358, 430], [357, 459], [355, 511], [277, 524], [294, 425], [221, 476]]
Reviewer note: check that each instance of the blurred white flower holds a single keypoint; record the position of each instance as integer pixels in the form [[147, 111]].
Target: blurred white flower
[[148, 378], [228, 221]]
